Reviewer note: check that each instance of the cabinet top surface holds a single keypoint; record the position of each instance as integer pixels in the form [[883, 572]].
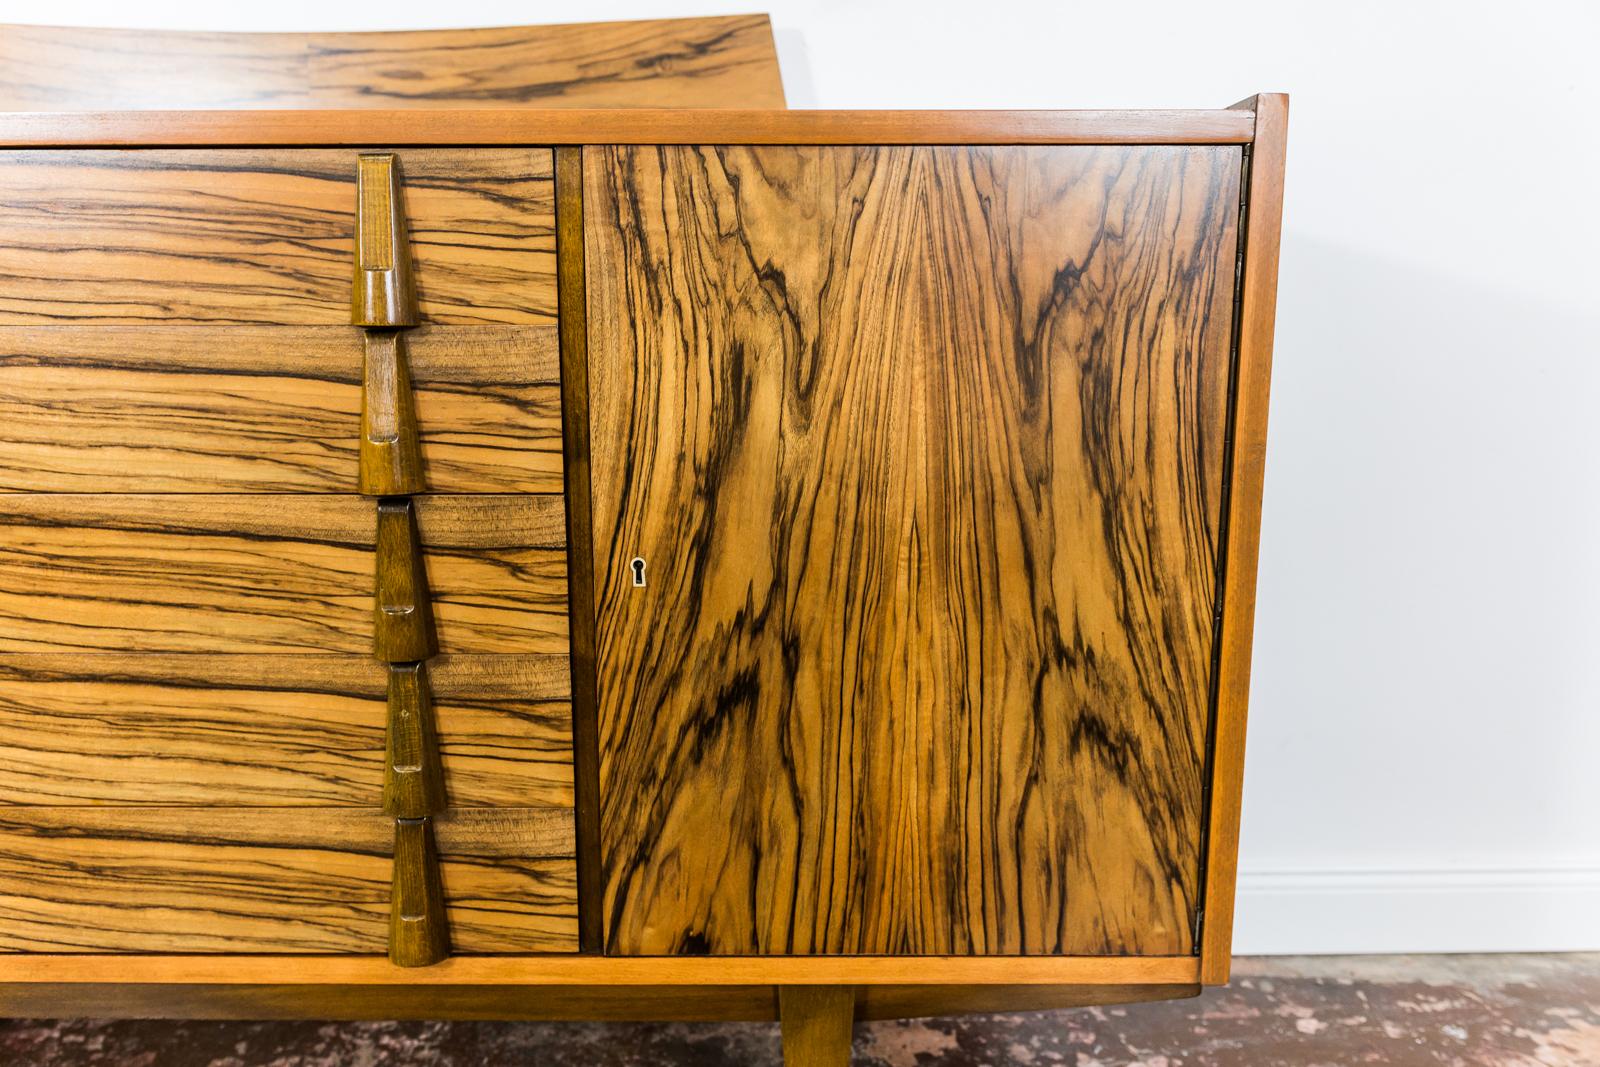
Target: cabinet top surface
[[532, 126]]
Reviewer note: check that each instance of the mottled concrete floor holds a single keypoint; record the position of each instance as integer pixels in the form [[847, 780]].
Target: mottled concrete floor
[[1458, 1011]]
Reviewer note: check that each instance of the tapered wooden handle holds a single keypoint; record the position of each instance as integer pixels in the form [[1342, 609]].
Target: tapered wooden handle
[[402, 613], [418, 934], [413, 778], [383, 294], [391, 456]]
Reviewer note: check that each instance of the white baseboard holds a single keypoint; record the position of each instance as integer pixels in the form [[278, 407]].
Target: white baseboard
[[1554, 909]]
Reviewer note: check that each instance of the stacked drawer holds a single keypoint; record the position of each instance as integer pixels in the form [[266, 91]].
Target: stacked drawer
[[196, 687]]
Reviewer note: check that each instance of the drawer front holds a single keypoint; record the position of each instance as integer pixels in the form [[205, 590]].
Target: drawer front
[[219, 880], [272, 731], [266, 235], [270, 574], [955, 700], [267, 409]]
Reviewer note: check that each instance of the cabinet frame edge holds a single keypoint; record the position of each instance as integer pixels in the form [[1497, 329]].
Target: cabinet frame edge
[[580, 969], [640, 126], [1262, 223], [572, 322]]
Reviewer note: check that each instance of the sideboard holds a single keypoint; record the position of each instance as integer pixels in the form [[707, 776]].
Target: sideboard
[[627, 564]]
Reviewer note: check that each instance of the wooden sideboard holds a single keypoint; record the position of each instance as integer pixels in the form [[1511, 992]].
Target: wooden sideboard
[[627, 564]]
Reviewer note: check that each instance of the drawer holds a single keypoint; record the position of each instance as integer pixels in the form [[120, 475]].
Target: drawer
[[267, 235], [270, 574], [272, 731], [221, 880], [263, 409]]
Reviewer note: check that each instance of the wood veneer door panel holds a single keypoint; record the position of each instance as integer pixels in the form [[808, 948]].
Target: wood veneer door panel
[[272, 731], [221, 880], [923, 449], [266, 235], [270, 574], [267, 409]]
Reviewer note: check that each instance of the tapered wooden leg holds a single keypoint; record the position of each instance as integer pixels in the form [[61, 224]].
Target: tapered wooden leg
[[816, 1024]]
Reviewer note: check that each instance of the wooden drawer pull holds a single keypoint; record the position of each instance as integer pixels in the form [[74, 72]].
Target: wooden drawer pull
[[402, 614], [391, 458], [383, 294], [418, 934], [413, 779]]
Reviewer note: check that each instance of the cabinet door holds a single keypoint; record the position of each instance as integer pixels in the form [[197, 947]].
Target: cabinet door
[[922, 450]]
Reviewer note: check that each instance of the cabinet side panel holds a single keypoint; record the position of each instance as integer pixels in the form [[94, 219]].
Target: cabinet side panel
[[1257, 310], [921, 449]]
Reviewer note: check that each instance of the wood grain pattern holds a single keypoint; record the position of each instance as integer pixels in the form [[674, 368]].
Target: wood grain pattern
[[483, 126], [709, 1003], [1255, 317], [570, 273], [208, 409], [725, 61], [925, 449], [177, 880], [271, 731], [816, 1025], [265, 235], [284, 574]]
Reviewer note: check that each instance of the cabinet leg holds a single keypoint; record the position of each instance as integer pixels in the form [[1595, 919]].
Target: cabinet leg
[[817, 1023]]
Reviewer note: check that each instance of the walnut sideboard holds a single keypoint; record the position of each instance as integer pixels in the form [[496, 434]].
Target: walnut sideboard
[[627, 564]]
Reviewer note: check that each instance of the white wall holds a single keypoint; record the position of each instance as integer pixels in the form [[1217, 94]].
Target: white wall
[[1424, 765]]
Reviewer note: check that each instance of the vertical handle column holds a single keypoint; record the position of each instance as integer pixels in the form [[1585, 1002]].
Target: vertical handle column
[[383, 302]]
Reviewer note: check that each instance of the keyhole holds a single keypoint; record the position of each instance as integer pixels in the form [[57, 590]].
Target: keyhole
[[638, 571]]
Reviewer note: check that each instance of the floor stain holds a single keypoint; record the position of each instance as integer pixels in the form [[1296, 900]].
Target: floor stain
[[1443, 1011]]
